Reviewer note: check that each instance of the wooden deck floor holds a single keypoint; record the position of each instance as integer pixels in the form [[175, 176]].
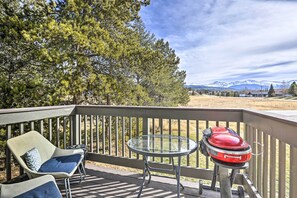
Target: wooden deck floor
[[105, 182]]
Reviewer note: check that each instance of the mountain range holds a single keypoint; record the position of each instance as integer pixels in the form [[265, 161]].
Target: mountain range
[[243, 85]]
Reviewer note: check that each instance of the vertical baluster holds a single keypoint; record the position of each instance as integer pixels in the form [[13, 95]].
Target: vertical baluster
[[265, 166], [7, 154], [137, 132], [282, 170], [259, 162], [178, 127], [170, 133], [65, 132], [91, 134], [86, 130], [293, 172], [57, 132], [217, 123], [103, 134], [272, 166], [238, 128], [254, 162], [207, 158], [130, 134], [109, 135], [97, 134], [50, 129], [41, 127], [73, 128], [21, 127], [79, 130], [153, 144], [123, 136], [188, 136], [32, 125], [169, 126], [227, 124], [116, 136], [161, 132], [246, 133], [248, 139], [197, 140]]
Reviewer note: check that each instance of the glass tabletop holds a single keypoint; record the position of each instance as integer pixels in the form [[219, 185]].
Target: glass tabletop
[[162, 145]]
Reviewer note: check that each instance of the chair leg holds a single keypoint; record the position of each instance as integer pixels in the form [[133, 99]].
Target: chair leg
[[80, 174], [67, 188], [82, 171], [83, 168]]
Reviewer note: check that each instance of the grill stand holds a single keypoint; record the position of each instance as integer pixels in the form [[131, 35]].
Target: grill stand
[[226, 179]]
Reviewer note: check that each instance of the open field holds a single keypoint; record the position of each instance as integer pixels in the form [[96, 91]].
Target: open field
[[240, 102]]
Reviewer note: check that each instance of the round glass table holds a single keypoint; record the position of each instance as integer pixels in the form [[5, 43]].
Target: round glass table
[[162, 146]]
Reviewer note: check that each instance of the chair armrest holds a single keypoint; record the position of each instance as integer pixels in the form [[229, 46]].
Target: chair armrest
[[64, 152]]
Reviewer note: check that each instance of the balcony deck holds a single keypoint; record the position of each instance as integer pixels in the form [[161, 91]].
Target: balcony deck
[[106, 129], [106, 182]]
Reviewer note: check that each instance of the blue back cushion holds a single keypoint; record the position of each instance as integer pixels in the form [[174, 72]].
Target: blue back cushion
[[33, 159], [61, 164], [48, 190]]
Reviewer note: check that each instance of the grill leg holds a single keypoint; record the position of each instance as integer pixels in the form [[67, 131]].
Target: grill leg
[[225, 183], [214, 177]]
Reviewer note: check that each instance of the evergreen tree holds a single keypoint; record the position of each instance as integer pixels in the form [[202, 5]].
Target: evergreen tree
[[84, 52], [293, 89], [271, 92]]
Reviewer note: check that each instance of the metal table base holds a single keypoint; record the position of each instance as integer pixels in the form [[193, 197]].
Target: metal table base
[[147, 169]]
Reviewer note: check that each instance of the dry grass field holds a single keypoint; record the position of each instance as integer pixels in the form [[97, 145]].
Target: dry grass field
[[240, 102]]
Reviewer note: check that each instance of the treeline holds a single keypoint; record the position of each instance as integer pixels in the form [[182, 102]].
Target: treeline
[[56, 52]]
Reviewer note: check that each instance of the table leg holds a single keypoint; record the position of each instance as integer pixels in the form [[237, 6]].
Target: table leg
[[178, 176], [145, 170], [174, 169]]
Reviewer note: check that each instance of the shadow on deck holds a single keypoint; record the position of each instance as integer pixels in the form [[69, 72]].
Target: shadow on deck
[[105, 182]]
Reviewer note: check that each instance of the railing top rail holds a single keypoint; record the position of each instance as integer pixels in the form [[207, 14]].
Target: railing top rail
[[183, 113], [285, 116], [12, 116], [279, 126], [30, 109]]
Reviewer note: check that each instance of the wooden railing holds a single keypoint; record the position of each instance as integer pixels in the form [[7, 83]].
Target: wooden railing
[[106, 129]]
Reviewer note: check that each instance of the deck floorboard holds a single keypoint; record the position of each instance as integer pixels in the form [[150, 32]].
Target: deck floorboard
[[110, 183]]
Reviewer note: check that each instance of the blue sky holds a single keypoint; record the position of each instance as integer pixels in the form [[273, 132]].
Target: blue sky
[[228, 40]]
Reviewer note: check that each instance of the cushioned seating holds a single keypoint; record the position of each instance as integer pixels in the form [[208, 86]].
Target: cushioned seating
[[61, 164], [40, 187], [46, 158]]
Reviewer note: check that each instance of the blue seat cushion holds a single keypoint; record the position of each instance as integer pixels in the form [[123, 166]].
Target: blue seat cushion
[[61, 164], [48, 189]]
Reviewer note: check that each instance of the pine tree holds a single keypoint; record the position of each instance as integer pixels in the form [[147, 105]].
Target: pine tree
[[271, 92], [293, 89], [91, 52]]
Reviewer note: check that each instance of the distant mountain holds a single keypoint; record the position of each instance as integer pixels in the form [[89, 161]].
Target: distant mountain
[[243, 85]]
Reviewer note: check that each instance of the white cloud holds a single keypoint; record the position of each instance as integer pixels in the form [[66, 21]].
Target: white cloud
[[225, 39]]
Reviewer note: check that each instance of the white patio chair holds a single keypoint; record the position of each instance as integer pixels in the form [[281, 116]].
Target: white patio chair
[[60, 163], [44, 186]]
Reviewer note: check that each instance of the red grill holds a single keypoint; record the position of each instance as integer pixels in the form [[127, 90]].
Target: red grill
[[224, 144]]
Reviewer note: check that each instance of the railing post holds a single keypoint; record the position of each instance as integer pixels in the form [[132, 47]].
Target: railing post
[[75, 129], [7, 154], [145, 126], [293, 172]]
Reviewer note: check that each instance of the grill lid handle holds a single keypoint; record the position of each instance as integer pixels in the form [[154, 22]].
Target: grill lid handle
[[207, 132]]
